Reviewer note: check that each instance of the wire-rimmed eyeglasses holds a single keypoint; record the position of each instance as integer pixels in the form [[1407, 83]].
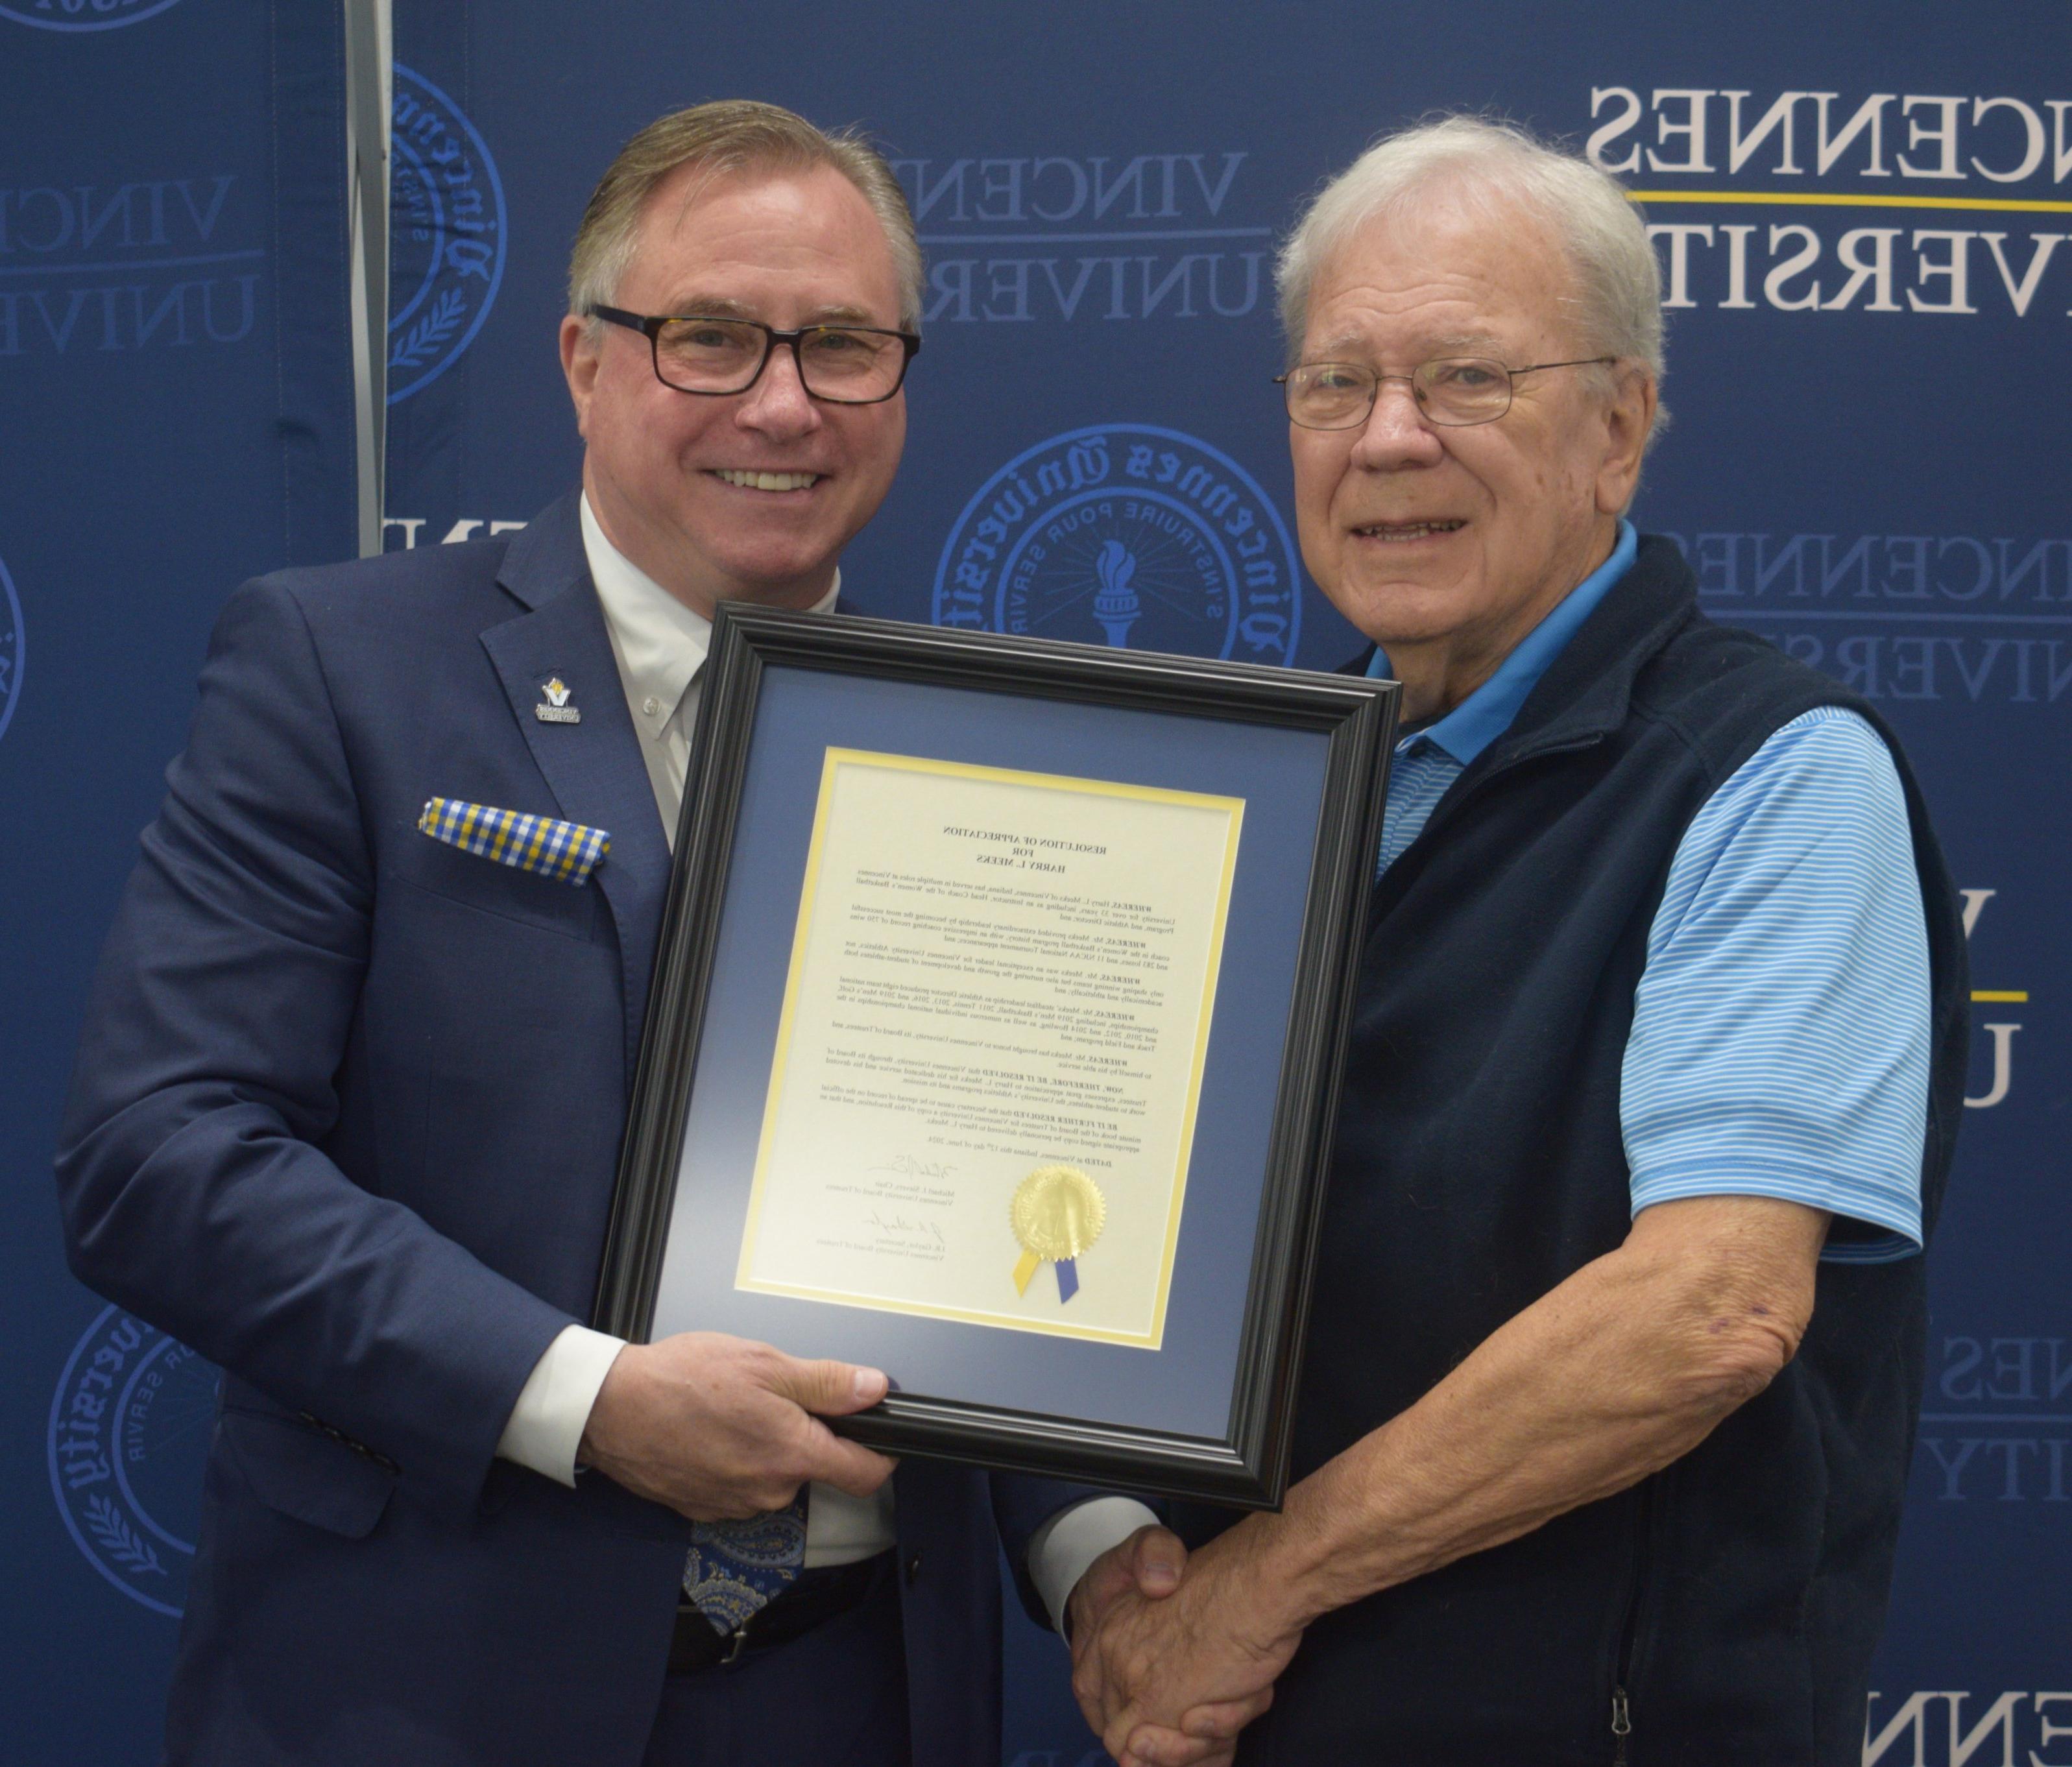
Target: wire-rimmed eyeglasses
[[1457, 390]]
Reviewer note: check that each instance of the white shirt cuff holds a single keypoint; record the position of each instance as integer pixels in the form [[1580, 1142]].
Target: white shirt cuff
[[547, 1423], [1065, 1545]]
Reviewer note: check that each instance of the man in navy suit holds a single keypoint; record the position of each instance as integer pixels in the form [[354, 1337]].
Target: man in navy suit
[[349, 1101]]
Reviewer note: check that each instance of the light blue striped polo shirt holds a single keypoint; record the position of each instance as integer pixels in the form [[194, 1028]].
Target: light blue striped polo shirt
[[1779, 1045]]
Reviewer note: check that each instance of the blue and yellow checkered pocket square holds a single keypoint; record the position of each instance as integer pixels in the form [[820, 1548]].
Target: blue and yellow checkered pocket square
[[566, 851]]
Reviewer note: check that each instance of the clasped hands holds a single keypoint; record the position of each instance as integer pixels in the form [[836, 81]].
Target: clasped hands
[[1172, 1656]]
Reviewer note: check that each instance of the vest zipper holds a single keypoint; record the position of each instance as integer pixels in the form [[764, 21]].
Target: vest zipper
[[1629, 1627]]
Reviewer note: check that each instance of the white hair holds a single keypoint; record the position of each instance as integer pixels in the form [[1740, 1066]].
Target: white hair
[[1494, 168]]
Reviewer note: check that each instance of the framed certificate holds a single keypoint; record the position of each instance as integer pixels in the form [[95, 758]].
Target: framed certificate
[[994, 1035]]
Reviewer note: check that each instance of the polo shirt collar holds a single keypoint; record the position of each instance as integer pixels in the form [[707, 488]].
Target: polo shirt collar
[[1488, 712]]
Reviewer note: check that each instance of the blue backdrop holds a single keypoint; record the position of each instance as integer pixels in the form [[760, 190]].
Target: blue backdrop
[[1865, 216], [175, 414]]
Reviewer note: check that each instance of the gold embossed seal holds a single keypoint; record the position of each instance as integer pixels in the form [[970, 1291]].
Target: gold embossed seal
[[1057, 1212]]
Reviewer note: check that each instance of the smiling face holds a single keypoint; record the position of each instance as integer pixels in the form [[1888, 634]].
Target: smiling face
[[1446, 546], [750, 496]]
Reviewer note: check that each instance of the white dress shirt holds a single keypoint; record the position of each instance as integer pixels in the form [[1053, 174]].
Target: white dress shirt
[[660, 646]]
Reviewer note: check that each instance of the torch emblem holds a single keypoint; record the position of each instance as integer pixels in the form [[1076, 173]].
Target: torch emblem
[[1116, 605]]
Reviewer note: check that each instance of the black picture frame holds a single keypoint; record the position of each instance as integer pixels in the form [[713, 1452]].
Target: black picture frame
[[1246, 1463]]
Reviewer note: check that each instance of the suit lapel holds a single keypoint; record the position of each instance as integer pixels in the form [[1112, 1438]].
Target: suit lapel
[[594, 768]]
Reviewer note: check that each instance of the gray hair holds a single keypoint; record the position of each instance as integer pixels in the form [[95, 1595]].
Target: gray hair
[[1495, 168], [726, 136]]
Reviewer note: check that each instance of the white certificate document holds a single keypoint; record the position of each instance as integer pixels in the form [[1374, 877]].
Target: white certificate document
[[982, 1102]]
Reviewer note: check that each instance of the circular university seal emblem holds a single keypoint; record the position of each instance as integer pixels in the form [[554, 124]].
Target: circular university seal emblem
[[1127, 535], [446, 234], [12, 648], [82, 14], [130, 1424]]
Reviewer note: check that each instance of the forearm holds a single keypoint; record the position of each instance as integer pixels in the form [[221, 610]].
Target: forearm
[[1621, 1370], [204, 1216]]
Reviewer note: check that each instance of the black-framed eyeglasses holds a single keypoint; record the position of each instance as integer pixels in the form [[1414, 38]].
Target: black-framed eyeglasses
[[842, 364], [1457, 390]]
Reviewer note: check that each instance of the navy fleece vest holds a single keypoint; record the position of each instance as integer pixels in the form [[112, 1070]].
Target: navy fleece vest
[[1735, 1597]]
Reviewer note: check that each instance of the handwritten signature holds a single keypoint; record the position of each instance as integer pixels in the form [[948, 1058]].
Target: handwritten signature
[[910, 1165], [902, 1222]]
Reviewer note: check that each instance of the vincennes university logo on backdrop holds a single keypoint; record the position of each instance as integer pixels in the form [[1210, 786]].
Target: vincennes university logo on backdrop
[[1993, 1025], [1126, 534], [1839, 201], [1955, 1727], [447, 235], [130, 1427], [83, 15], [155, 262], [1065, 238], [1992, 613], [1913, 209]]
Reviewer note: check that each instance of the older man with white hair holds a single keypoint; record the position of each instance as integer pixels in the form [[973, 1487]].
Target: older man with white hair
[[1616, 1347]]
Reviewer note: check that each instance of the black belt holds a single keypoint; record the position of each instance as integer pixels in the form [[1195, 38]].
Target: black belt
[[814, 1598]]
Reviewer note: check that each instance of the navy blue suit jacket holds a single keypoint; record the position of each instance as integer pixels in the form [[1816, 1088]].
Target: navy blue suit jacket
[[347, 1119]]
